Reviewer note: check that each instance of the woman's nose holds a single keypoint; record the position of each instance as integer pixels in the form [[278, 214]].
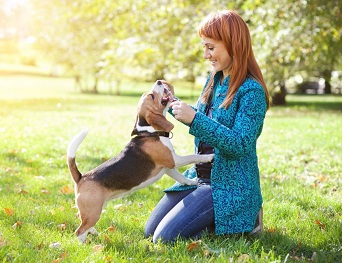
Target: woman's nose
[[206, 55]]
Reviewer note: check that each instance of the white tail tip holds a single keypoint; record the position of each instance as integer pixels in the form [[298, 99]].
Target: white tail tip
[[75, 142]]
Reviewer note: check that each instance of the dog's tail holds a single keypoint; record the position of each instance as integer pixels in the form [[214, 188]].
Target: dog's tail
[[72, 149]]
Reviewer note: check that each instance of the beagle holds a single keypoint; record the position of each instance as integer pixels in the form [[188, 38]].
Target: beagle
[[142, 162]]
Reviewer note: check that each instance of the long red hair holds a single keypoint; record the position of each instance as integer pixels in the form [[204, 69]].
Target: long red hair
[[230, 28]]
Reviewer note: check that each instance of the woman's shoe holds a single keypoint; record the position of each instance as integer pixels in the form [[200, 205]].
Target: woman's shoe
[[259, 226]]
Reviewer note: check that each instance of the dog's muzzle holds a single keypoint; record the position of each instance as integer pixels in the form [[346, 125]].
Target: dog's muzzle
[[168, 96]]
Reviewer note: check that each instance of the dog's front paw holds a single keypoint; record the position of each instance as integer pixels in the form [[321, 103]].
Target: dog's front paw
[[190, 181], [207, 158]]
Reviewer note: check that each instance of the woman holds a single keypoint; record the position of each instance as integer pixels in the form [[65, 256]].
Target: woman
[[227, 120]]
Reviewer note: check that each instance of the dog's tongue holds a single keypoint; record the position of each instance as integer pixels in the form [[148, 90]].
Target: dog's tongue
[[169, 95]]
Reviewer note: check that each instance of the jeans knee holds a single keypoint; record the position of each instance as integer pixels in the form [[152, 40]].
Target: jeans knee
[[166, 238], [148, 231]]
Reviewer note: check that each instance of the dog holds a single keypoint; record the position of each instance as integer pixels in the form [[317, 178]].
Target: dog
[[145, 159]]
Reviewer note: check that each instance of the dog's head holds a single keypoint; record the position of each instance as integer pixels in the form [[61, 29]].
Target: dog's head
[[152, 109]]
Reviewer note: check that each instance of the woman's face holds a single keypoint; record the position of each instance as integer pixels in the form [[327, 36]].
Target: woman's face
[[217, 54]]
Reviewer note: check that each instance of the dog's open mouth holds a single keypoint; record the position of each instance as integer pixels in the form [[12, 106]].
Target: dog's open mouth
[[165, 101], [167, 97]]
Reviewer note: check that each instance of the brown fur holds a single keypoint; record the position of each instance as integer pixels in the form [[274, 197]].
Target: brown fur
[[143, 161]]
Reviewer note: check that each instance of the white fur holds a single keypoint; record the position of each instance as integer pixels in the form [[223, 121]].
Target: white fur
[[173, 173], [75, 142]]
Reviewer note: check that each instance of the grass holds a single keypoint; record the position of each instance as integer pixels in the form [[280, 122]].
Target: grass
[[300, 162]]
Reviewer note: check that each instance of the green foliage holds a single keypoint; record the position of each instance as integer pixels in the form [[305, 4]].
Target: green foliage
[[300, 163], [158, 39], [294, 37]]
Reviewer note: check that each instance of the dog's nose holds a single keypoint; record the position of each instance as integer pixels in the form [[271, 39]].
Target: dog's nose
[[159, 82]]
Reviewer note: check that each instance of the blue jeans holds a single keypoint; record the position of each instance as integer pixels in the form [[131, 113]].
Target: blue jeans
[[182, 214]]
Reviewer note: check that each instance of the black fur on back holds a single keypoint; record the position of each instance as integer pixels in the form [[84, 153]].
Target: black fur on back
[[128, 169]]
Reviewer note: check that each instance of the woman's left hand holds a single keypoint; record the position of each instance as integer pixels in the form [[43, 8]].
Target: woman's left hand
[[182, 111]]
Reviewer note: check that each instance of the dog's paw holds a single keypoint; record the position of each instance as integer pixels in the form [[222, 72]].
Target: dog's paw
[[207, 158], [93, 231], [190, 181]]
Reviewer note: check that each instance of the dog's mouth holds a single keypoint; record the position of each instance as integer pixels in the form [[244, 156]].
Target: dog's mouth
[[165, 101], [167, 97]]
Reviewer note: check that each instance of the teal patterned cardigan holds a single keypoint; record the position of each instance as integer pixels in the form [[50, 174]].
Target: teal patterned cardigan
[[233, 132]]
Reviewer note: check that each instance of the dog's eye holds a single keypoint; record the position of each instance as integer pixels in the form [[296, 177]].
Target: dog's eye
[[152, 96]]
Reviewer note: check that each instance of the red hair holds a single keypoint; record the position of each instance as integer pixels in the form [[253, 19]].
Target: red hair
[[230, 28]]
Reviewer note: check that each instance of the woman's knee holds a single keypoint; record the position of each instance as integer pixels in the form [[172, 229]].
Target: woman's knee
[[164, 236]]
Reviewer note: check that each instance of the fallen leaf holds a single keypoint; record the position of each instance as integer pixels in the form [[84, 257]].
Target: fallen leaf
[[61, 258], [22, 191], [97, 248], [111, 228], [40, 246], [117, 207], [67, 189], [207, 251], [64, 255], [321, 225], [62, 226], [108, 259], [322, 178], [61, 208], [45, 191], [193, 245], [271, 230], [55, 245], [16, 225], [243, 258], [8, 211], [2, 242], [106, 237]]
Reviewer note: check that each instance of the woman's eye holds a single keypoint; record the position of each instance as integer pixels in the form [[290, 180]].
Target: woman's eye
[[209, 48]]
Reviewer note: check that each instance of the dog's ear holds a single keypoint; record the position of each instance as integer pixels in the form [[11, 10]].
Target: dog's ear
[[140, 120], [158, 121], [134, 131]]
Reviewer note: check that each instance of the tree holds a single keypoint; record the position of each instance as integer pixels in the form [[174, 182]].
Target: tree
[[295, 36], [105, 40]]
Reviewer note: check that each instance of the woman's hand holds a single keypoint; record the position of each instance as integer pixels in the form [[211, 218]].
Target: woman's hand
[[183, 112]]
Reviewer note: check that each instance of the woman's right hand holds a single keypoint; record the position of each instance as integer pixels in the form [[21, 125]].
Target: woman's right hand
[[171, 88]]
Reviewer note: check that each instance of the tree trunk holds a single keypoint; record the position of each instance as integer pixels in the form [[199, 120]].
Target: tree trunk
[[94, 88], [327, 75], [279, 97]]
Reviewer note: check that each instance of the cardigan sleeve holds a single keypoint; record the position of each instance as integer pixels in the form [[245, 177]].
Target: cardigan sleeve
[[237, 141], [170, 111]]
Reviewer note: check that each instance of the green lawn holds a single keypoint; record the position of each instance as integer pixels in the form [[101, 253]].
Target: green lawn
[[300, 162]]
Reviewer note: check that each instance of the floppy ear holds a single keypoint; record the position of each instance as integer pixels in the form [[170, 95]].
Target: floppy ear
[[158, 121], [134, 131]]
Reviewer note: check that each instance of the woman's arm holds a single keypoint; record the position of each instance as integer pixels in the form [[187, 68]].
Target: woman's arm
[[239, 140]]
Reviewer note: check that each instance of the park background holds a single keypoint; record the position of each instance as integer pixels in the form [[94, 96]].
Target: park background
[[67, 65]]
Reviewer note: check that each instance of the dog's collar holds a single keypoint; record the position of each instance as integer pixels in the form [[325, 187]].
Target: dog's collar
[[153, 134]]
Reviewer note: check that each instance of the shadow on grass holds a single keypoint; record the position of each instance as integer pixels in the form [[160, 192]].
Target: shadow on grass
[[296, 251]]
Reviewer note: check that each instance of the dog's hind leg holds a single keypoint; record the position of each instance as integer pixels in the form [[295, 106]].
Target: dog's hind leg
[[87, 227], [90, 208], [82, 237]]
